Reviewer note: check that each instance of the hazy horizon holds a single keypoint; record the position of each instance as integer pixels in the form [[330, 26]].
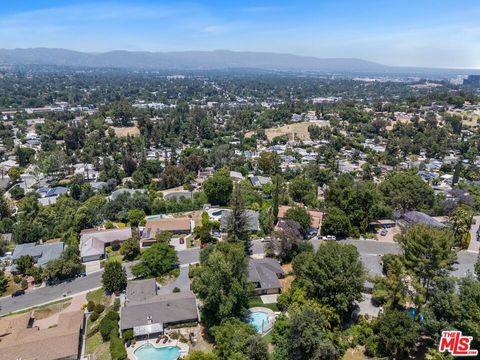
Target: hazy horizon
[[421, 34]]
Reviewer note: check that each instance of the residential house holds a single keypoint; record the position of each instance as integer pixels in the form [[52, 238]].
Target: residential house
[[93, 242], [61, 341], [416, 217], [177, 226], [258, 180], [87, 171], [148, 313], [315, 216], [41, 253], [118, 192], [253, 219], [236, 176], [177, 195], [265, 274]]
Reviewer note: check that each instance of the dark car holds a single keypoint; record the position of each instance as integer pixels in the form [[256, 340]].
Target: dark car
[[18, 293]]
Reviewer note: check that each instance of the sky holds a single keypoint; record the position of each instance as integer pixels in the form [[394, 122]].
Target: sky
[[427, 33]]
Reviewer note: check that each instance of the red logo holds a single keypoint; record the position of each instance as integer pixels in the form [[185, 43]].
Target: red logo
[[456, 344]]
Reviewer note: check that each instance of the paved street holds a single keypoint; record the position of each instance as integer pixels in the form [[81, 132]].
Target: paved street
[[50, 293], [466, 261]]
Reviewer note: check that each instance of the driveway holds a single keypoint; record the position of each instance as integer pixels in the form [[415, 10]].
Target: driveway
[[474, 243], [182, 282]]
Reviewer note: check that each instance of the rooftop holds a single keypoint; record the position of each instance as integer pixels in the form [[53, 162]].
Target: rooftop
[[19, 341], [160, 309], [42, 253]]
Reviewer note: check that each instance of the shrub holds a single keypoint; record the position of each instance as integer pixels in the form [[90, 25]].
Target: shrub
[[94, 316], [107, 327], [127, 335], [174, 335], [16, 279], [90, 306], [24, 284], [99, 308], [176, 290], [116, 304], [113, 316]]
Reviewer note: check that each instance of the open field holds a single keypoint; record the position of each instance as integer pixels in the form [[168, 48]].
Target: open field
[[124, 131], [297, 131]]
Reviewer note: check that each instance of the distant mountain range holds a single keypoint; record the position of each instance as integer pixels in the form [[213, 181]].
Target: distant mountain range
[[201, 60]]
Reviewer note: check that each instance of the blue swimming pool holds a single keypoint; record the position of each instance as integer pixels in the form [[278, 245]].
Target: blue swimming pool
[[150, 352], [257, 319]]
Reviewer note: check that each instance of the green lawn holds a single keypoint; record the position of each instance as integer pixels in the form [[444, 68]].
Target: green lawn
[[94, 344], [99, 296], [268, 338], [256, 301]]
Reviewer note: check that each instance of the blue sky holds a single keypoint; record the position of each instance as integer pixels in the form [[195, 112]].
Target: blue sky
[[434, 33]]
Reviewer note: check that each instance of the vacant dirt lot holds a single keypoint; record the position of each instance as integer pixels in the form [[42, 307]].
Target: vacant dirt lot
[[124, 131], [297, 131]]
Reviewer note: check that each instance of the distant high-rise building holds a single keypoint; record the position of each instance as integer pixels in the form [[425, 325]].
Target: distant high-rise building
[[472, 80]]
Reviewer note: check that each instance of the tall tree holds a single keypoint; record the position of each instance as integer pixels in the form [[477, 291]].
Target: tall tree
[[428, 252], [237, 226], [157, 260], [276, 196], [333, 275], [218, 188], [114, 277], [235, 338], [221, 283], [407, 191], [461, 221], [288, 237], [397, 335]]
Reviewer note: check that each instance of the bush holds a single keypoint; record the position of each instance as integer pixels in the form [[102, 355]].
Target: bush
[[176, 290], [94, 316], [116, 305], [99, 308], [24, 284], [107, 327], [16, 279], [90, 306], [127, 335], [113, 316]]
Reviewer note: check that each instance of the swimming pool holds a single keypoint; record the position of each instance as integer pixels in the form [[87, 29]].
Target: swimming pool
[[150, 352], [259, 320]]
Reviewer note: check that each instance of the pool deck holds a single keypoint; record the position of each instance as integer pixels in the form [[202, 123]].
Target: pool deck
[[271, 318], [184, 348]]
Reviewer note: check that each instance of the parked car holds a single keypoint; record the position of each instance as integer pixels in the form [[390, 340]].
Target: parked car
[[384, 232], [329, 237], [18, 293]]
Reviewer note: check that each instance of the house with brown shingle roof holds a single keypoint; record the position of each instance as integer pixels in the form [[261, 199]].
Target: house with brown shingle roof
[[153, 227], [315, 216], [94, 241], [20, 340]]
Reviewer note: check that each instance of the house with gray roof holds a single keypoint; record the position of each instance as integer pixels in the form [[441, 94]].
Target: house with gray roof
[[118, 192], [264, 274], [258, 180], [41, 253], [253, 218], [416, 217], [148, 313], [177, 195], [373, 267], [94, 241]]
